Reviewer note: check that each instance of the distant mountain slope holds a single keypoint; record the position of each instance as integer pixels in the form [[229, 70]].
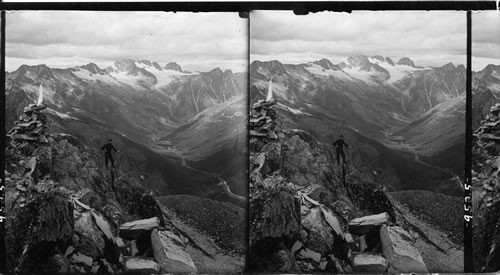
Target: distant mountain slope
[[485, 92], [373, 94], [152, 112]]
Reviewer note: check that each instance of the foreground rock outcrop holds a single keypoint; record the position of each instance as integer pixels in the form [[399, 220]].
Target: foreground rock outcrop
[[306, 215], [486, 193]]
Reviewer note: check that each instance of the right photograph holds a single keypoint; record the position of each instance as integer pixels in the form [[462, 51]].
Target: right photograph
[[357, 141], [486, 140]]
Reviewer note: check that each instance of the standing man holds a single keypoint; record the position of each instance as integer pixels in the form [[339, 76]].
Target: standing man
[[339, 145], [108, 156]]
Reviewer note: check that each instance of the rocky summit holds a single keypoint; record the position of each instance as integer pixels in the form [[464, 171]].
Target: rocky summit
[[309, 214], [66, 213], [486, 193]]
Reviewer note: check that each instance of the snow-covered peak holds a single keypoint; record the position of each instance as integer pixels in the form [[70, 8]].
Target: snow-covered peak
[[396, 71], [147, 64]]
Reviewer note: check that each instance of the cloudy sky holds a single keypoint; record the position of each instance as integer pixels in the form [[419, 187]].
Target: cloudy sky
[[197, 41], [485, 39], [429, 38]]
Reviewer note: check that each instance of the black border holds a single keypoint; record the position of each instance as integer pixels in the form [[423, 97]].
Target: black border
[[300, 7], [468, 249], [3, 255]]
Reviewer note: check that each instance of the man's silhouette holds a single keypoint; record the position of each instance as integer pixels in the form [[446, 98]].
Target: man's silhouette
[[108, 156], [339, 145]]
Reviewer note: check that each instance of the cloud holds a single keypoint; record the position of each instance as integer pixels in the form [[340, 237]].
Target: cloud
[[416, 34], [57, 37], [485, 39]]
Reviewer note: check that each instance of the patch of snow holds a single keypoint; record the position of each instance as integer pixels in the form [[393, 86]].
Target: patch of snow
[[163, 77], [292, 110], [360, 75], [142, 65], [318, 70], [125, 78], [61, 115], [396, 72], [84, 74], [166, 77]]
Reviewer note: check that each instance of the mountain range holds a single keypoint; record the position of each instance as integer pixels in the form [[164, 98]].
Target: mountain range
[[406, 122], [171, 124], [485, 92]]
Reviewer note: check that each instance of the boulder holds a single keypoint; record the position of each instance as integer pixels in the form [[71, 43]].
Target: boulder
[[320, 237], [169, 252], [273, 216], [364, 262], [397, 245], [364, 225], [132, 230], [91, 240], [138, 265]]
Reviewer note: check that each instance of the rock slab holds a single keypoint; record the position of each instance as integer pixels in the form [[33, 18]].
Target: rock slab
[[133, 229], [169, 252], [364, 225], [138, 265], [364, 262], [397, 245]]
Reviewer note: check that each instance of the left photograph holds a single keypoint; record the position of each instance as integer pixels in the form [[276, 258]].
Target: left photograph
[[126, 142]]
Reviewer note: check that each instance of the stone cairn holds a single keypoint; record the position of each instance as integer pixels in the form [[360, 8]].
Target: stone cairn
[[31, 126], [489, 131], [263, 120], [486, 191], [487, 145]]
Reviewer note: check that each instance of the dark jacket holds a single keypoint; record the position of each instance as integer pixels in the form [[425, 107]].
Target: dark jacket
[[340, 143], [108, 147]]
